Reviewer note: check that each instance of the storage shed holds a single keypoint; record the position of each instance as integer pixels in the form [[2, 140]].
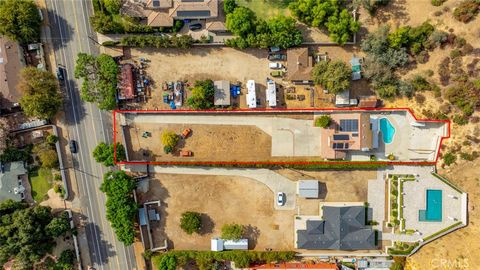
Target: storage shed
[[241, 244], [222, 93], [217, 244], [308, 189]]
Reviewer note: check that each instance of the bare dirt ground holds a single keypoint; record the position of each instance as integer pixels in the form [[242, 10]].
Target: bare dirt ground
[[221, 200], [338, 186], [458, 250], [207, 142], [216, 63]]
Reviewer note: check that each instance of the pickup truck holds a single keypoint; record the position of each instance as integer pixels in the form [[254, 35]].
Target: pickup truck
[[186, 132], [277, 57], [185, 153]]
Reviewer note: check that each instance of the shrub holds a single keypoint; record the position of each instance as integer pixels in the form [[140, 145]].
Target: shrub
[[466, 11], [460, 42], [437, 13], [444, 71], [437, 38], [419, 83], [460, 119], [323, 121], [229, 6], [110, 43], [232, 231], [183, 41], [422, 57], [52, 139], [169, 139], [177, 26], [455, 53], [437, 3], [467, 156], [191, 222], [449, 158], [420, 99]]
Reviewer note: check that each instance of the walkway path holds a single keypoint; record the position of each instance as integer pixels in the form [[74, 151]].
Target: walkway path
[[273, 180]]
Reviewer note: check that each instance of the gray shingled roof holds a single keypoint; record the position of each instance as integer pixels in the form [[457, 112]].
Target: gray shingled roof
[[342, 228]]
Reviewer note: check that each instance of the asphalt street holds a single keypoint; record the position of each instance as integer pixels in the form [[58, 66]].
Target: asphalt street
[[88, 126]]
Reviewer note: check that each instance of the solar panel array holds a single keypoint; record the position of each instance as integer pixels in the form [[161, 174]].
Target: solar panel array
[[341, 137], [340, 145], [349, 125]]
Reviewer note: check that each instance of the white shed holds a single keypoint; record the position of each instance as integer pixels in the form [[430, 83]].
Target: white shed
[[251, 94], [217, 244], [241, 244], [271, 93], [308, 189]]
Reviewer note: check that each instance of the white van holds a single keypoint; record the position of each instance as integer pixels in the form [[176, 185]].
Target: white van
[[274, 65]]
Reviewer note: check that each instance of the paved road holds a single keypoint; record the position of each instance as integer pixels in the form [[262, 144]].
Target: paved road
[[274, 181], [71, 34]]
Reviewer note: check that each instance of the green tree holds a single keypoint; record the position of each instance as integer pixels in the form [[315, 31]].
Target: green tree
[[241, 21], [229, 6], [41, 96], [46, 154], [99, 76], [202, 95], [232, 231], [59, 226], [314, 12], [341, 28], [121, 207], [24, 235], [66, 260], [113, 6], [387, 91], [169, 140], [20, 20], [191, 222], [323, 121], [282, 32], [104, 24], [332, 75], [103, 153]]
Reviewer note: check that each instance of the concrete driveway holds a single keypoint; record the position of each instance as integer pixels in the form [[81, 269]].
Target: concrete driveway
[[274, 181]]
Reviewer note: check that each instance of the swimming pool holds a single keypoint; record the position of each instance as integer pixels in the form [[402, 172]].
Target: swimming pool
[[387, 130], [434, 206]]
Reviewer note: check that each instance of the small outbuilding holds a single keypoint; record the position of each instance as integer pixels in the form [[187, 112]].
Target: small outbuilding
[[308, 189], [218, 244], [222, 93]]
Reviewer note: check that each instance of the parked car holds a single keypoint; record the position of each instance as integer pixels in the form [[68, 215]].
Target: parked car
[[277, 73], [275, 65], [73, 146], [277, 57], [186, 132], [60, 74], [186, 153], [280, 198], [195, 26]]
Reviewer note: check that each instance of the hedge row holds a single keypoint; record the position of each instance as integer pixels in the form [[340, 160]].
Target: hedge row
[[313, 165], [164, 41], [242, 259], [442, 231]]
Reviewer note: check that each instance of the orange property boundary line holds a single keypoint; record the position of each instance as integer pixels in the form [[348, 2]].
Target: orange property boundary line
[[255, 111]]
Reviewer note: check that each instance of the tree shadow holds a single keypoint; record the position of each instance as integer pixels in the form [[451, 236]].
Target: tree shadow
[[60, 29], [251, 233], [100, 250], [207, 224]]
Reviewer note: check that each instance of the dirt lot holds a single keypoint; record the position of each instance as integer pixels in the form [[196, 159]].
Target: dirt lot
[[458, 250], [221, 200], [207, 142]]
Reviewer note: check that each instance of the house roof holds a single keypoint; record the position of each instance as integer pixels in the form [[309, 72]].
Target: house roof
[[11, 62], [342, 228], [9, 181], [215, 26], [299, 65], [127, 84], [163, 12], [222, 93], [368, 102]]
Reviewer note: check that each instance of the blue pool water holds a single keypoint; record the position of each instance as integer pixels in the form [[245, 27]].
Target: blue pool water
[[387, 130], [434, 206]]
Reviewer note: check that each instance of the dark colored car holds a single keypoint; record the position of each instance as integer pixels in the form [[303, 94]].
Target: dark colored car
[[277, 57], [73, 146], [60, 74], [195, 26]]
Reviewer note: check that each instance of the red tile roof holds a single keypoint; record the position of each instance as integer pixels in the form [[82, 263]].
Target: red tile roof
[[127, 87]]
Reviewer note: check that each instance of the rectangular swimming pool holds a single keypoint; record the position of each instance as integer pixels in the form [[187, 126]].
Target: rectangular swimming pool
[[433, 211]]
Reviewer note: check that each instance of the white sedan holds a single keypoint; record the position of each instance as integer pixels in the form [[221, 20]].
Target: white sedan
[[280, 198]]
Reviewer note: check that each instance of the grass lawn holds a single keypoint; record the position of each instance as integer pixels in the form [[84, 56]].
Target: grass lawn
[[41, 181], [266, 9]]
